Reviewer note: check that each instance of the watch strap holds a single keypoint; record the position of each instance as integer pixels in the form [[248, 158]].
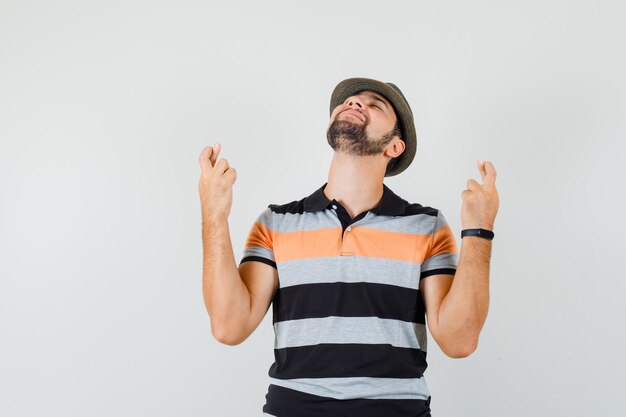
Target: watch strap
[[484, 233]]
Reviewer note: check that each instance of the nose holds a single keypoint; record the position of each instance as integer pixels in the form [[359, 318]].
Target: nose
[[354, 101]]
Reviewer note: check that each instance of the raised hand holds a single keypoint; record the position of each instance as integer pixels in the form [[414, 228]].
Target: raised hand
[[215, 185], [480, 202]]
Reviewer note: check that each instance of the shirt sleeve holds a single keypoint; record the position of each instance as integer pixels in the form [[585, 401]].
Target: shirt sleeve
[[259, 245], [442, 254]]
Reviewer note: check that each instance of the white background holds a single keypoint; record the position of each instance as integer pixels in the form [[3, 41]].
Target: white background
[[105, 107]]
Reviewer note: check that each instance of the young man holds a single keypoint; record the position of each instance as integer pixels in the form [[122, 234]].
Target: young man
[[351, 270]]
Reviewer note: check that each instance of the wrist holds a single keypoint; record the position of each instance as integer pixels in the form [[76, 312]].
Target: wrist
[[210, 221]]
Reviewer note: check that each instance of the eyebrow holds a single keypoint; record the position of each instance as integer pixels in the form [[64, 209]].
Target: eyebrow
[[379, 99]]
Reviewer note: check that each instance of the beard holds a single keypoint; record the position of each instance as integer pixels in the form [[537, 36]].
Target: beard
[[351, 138]]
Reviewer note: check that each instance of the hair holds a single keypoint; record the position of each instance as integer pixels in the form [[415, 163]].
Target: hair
[[396, 129], [395, 132]]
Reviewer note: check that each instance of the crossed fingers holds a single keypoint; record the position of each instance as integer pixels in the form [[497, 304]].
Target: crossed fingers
[[488, 175]]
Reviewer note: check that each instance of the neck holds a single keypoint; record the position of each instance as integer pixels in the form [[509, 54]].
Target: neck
[[356, 182]]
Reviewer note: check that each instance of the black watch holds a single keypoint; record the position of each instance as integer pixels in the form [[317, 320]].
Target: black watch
[[484, 233]]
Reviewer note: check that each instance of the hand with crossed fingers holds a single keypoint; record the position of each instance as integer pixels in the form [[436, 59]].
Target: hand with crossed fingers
[[215, 185], [480, 202]]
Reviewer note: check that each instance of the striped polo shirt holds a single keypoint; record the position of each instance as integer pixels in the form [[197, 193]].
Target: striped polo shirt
[[348, 316]]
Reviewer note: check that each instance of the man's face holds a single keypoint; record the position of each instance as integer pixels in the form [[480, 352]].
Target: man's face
[[362, 125]]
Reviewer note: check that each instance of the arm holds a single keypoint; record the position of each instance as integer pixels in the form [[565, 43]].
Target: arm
[[236, 299], [457, 304], [226, 297], [463, 311]]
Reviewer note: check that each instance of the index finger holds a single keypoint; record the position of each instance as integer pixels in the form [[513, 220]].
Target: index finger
[[481, 168], [216, 150], [204, 159]]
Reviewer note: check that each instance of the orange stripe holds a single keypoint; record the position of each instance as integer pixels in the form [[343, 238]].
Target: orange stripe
[[261, 235], [443, 241], [361, 241], [393, 245], [307, 244]]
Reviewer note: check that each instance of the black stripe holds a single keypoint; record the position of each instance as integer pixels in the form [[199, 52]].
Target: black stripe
[[361, 299], [450, 271], [416, 208], [293, 207], [336, 360], [286, 402], [391, 205], [259, 259]]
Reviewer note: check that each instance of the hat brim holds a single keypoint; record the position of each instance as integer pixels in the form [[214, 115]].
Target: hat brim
[[392, 93]]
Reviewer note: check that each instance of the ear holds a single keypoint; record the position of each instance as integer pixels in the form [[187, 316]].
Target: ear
[[395, 147]]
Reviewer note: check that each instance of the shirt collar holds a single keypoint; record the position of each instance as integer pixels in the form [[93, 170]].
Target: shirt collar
[[390, 204]]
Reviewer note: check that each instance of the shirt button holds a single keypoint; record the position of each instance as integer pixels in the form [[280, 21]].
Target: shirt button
[[348, 228], [335, 207]]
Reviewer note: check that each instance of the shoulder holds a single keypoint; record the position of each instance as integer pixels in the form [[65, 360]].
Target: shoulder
[[429, 219], [413, 209], [394, 202], [292, 207]]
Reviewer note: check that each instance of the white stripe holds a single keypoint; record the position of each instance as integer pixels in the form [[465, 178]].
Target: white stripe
[[422, 224], [360, 387], [259, 251], [349, 269], [444, 260], [335, 329]]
